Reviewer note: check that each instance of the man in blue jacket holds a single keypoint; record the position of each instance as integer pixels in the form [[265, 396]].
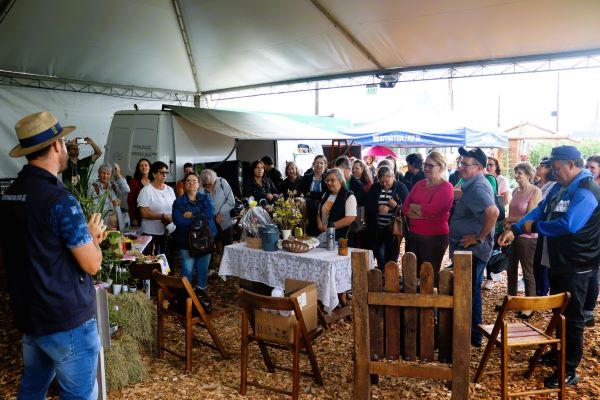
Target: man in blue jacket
[[569, 221]]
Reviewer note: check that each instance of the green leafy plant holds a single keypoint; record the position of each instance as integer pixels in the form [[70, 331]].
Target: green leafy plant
[[286, 213], [89, 203]]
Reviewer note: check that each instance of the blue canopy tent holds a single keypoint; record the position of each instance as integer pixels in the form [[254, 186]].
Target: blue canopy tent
[[426, 127]]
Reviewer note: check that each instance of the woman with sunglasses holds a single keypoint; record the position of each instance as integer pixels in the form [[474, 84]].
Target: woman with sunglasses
[[428, 210], [155, 202], [192, 208]]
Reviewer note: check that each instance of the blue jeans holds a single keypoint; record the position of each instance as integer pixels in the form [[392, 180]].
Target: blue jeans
[[71, 356], [477, 312], [190, 264]]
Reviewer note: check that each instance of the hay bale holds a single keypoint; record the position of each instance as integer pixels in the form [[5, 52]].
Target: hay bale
[[124, 365], [136, 318]]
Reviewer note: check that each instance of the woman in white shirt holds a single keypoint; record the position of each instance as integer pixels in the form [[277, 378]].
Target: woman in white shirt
[[338, 205], [156, 204]]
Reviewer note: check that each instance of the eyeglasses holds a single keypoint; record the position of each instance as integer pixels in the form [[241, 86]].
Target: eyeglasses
[[163, 173], [465, 165], [491, 165], [430, 166]]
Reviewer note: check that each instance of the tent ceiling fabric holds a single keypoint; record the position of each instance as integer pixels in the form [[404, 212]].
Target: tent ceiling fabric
[[242, 42], [252, 126]]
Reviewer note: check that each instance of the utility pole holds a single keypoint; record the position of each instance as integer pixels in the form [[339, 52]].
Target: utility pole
[[316, 98], [498, 117], [557, 99], [451, 94]]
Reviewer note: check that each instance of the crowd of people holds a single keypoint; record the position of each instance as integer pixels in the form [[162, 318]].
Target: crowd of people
[[552, 231]]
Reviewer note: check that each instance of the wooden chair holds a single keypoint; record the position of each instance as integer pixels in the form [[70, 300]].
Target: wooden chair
[[302, 342], [505, 336], [167, 286]]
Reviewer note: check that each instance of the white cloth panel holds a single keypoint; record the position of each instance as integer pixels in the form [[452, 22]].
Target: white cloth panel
[[90, 113]]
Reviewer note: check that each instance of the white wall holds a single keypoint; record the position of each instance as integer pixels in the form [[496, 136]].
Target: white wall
[[90, 113]]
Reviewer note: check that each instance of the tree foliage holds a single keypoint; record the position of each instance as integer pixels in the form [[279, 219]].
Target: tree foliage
[[543, 149]]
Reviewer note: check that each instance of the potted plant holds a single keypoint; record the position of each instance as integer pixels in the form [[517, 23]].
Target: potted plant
[[286, 215]]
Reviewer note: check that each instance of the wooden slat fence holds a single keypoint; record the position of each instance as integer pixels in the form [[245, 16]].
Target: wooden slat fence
[[395, 322]]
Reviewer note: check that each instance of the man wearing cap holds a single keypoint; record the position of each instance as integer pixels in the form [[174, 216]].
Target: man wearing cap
[[472, 225], [50, 253], [569, 220], [76, 168]]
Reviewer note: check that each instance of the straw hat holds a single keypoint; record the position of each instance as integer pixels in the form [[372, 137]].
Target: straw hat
[[37, 131]]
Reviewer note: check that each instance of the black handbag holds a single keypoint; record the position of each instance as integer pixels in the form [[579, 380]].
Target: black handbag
[[201, 241]]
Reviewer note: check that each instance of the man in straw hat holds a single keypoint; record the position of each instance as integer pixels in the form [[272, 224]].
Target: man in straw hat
[[50, 253]]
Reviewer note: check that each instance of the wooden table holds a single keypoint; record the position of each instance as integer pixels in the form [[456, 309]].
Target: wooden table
[[331, 273]]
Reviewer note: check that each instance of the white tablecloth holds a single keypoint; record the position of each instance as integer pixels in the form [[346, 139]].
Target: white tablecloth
[[331, 273]]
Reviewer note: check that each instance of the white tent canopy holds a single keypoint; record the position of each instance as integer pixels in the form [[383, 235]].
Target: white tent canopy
[[252, 126], [240, 42]]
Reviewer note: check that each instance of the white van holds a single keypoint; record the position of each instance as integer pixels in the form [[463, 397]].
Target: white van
[[177, 135]]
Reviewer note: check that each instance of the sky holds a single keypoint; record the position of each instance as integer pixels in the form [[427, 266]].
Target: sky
[[530, 97]]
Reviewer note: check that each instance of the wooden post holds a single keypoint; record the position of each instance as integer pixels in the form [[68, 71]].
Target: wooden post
[[445, 319], [392, 314], [409, 273], [362, 382], [426, 316], [461, 325], [376, 325]]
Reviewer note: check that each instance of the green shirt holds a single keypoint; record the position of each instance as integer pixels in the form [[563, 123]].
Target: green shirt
[[489, 177]]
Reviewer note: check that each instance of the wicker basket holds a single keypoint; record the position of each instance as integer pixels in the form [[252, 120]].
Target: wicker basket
[[254, 243], [295, 246]]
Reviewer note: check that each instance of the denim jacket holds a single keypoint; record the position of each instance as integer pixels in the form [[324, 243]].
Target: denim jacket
[[203, 206]]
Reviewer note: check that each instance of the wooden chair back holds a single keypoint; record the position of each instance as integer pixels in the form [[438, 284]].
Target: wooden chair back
[[167, 288], [505, 335], [393, 321], [250, 303]]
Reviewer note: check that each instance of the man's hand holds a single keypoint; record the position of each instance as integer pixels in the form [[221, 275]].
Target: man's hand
[[468, 240], [506, 238], [528, 227], [116, 202], [457, 193], [88, 140], [506, 224], [167, 219], [97, 228], [219, 218]]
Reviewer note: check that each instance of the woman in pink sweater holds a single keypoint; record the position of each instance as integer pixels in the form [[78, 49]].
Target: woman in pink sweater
[[428, 210]]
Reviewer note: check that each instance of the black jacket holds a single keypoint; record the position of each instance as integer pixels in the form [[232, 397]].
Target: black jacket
[[288, 186], [251, 188], [358, 189], [305, 186], [399, 194], [410, 179], [338, 210]]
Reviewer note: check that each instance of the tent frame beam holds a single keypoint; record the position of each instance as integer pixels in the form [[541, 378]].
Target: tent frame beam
[[491, 67], [186, 43], [349, 36], [79, 86]]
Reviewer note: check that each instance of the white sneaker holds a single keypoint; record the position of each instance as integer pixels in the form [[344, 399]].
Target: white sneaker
[[496, 277], [488, 284]]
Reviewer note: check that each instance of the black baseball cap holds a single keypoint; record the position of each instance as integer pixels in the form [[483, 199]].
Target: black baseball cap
[[475, 153]]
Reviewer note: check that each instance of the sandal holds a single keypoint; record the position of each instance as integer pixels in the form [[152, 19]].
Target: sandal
[[525, 314]]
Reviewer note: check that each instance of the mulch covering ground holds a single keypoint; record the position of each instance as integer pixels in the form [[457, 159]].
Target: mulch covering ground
[[214, 378]]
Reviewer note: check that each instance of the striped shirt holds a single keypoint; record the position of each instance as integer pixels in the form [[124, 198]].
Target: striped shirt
[[383, 220]]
